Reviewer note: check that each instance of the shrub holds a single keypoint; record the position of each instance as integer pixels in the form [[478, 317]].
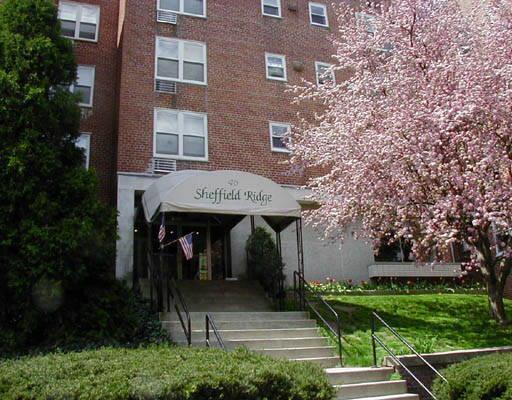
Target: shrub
[[57, 239], [483, 378], [161, 372], [263, 260], [107, 314]]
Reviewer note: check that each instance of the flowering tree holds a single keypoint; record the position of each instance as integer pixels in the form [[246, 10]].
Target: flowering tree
[[417, 137]]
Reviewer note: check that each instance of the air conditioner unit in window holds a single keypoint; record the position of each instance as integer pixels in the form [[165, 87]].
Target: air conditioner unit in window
[[167, 17], [162, 165], [165, 86]]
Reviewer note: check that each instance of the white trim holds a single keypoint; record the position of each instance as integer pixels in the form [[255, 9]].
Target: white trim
[[325, 14], [72, 87], [280, 15], [87, 148], [368, 20], [283, 58], [182, 7], [323, 64], [78, 21], [180, 135], [280, 124], [181, 61]]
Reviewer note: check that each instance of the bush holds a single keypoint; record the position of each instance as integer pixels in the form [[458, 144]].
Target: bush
[[483, 378], [57, 239], [263, 260], [161, 372], [107, 314]]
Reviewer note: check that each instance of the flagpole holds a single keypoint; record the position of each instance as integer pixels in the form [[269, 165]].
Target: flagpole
[[177, 240]]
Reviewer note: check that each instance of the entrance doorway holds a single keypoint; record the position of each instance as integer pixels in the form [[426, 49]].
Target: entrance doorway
[[211, 243]]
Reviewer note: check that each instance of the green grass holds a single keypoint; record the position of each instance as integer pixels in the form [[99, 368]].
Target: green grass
[[432, 323]]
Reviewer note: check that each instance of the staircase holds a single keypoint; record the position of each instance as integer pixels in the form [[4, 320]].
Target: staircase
[[244, 318]]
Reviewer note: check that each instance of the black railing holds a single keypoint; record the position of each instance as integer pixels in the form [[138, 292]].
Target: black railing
[[181, 308], [375, 339], [210, 323], [301, 290]]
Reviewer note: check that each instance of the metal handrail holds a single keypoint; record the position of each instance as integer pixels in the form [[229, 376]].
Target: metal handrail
[[298, 278], [211, 322], [376, 339], [175, 293]]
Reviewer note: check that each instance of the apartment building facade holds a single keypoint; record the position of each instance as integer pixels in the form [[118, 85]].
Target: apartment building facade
[[175, 85]]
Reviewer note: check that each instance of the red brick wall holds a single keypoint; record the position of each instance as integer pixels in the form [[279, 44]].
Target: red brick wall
[[239, 100], [100, 120]]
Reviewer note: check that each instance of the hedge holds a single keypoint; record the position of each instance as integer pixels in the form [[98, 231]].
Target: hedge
[[482, 378], [160, 372]]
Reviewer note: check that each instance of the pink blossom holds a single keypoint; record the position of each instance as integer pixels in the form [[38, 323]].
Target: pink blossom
[[417, 137]]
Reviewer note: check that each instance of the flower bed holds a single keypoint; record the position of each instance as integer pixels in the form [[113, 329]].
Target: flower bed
[[397, 286]]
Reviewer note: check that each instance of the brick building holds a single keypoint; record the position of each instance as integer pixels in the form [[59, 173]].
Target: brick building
[[172, 85]]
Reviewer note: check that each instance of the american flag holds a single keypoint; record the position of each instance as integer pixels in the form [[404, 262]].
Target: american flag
[[161, 232], [186, 245]]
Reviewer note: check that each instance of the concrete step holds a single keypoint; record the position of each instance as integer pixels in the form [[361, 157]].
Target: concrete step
[[258, 344], [244, 325], [343, 376], [256, 333], [370, 389], [298, 333], [230, 305], [240, 316], [405, 396], [299, 352], [324, 362]]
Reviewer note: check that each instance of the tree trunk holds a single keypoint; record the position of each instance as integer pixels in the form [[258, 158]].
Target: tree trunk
[[495, 291]]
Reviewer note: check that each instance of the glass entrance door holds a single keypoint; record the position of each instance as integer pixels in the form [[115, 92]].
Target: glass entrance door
[[210, 242], [196, 268], [218, 252]]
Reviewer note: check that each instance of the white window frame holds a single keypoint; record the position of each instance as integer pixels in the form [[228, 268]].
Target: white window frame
[[368, 20], [323, 64], [273, 78], [181, 61], [279, 8], [182, 7], [72, 87], [311, 14], [87, 149], [279, 124], [180, 155], [78, 21]]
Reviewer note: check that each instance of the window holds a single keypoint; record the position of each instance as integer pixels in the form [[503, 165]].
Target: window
[[323, 73], [79, 21], [276, 66], [318, 14], [84, 85], [271, 8], [368, 21], [278, 136], [188, 7], [180, 60], [84, 142], [181, 134]]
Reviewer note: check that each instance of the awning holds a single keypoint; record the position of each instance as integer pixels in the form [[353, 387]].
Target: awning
[[221, 192]]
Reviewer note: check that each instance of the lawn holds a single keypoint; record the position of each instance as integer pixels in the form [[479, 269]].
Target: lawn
[[432, 323]]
